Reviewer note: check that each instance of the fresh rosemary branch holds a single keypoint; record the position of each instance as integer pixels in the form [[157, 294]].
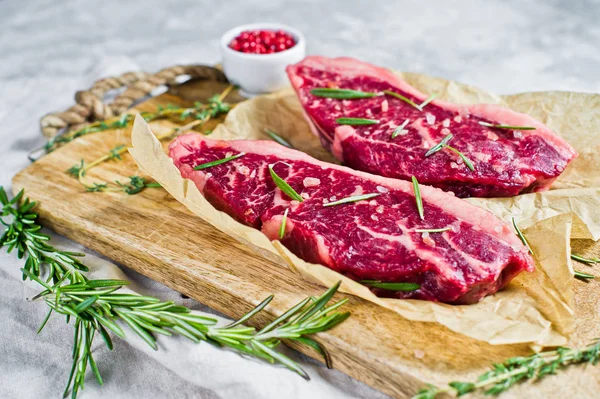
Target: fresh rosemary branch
[[353, 198], [95, 306], [284, 186], [21, 232], [404, 287], [418, 199], [356, 121], [517, 370], [201, 113]]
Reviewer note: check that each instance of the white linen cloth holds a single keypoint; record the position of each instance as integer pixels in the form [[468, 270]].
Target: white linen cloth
[[51, 48]]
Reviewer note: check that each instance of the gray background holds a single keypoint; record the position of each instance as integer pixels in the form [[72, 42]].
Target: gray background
[[49, 49]]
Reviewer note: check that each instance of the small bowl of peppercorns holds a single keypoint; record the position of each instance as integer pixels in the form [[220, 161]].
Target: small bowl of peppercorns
[[255, 56]]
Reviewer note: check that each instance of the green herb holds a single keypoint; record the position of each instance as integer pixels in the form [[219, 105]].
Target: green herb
[[405, 287], [219, 161], [283, 224], [444, 144], [343, 94], [354, 198], [521, 236], [400, 128], [587, 261], [98, 306], [418, 198], [517, 370], [356, 121], [487, 124], [433, 230], [135, 185], [583, 276], [24, 235], [116, 152], [462, 156], [427, 100], [439, 146], [401, 97], [278, 138], [283, 186], [77, 170]]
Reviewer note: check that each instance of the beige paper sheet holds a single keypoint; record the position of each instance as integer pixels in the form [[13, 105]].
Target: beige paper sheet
[[535, 308]]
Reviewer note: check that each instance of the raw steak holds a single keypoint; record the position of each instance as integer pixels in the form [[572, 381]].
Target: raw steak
[[506, 162], [373, 239]]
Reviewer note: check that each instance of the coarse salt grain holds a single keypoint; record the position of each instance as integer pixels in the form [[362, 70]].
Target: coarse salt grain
[[311, 182], [430, 118], [333, 198], [382, 189], [453, 165], [380, 209], [517, 134], [458, 119], [305, 195], [374, 217], [446, 122], [445, 131], [419, 354], [385, 106], [372, 202], [492, 136], [428, 240]]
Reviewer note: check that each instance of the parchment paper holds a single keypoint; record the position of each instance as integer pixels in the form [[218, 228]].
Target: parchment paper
[[535, 308]]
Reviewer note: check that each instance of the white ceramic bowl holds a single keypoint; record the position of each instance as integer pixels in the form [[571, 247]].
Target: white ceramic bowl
[[260, 73]]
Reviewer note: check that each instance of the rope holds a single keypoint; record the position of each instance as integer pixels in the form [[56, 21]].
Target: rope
[[90, 106]]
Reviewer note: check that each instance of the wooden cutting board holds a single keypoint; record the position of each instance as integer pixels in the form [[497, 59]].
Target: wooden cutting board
[[155, 235]]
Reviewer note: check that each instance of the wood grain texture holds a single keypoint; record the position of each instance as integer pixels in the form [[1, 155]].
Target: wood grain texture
[[156, 236]]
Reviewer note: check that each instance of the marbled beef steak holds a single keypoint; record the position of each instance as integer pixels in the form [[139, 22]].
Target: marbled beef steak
[[506, 162], [374, 239]]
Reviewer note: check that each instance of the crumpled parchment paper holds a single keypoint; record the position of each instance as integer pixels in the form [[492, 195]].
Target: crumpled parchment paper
[[535, 308]]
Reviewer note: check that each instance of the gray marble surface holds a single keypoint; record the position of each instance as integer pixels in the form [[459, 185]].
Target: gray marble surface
[[51, 48]]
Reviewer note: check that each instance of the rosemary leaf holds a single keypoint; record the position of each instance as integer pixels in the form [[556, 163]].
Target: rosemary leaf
[[283, 186], [278, 138], [587, 261], [418, 198], [219, 161], [463, 157], [400, 128], [427, 100], [487, 124], [521, 236], [283, 224], [433, 230], [401, 97], [353, 198], [356, 121], [344, 94], [439, 146], [404, 287], [584, 276]]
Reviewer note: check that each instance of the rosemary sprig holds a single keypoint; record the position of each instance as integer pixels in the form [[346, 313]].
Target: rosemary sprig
[[283, 224], [439, 146], [95, 306], [202, 112], [433, 230], [21, 232], [587, 261], [278, 138], [517, 370], [283, 186], [403, 98], [354, 198], [521, 236], [400, 128], [356, 121], [219, 161], [462, 156], [418, 199], [444, 144], [404, 287], [428, 100], [344, 94], [583, 276], [487, 124]]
